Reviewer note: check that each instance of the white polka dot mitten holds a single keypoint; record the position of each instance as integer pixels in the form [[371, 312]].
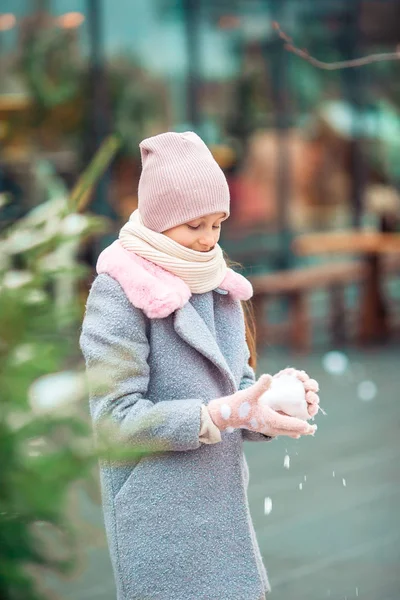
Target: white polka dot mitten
[[243, 410]]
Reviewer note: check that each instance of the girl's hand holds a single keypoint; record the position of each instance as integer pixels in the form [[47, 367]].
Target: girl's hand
[[243, 410]]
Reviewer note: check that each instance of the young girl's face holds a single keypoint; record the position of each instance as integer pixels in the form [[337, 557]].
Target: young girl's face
[[201, 234]]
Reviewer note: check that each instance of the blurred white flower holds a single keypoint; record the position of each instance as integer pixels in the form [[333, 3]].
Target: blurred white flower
[[335, 362], [21, 240], [35, 297], [15, 420], [53, 261], [15, 279], [4, 257], [44, 212], [23, 354], [51, 228], [61, 258], [36, 447], [57, 392], [74, 224]]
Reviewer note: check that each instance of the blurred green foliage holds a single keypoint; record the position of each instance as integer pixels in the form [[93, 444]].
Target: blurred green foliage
[[44, 431]]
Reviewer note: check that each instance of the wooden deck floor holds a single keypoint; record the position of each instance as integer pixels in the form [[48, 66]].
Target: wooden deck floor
[[339, 536]]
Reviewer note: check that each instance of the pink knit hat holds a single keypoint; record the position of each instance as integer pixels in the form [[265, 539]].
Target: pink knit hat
[[180, 181]]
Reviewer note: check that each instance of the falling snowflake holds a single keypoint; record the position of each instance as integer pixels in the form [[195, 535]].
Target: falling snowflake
[[300, 486], [333, 473], [335, 363], [344, 482], [267, 506], [366, 390], [286, 462]]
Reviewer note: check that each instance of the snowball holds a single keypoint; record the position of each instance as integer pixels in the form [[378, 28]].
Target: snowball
[[287, 394]]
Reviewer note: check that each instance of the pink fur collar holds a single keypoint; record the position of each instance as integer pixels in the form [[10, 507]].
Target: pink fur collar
[[152, 289]]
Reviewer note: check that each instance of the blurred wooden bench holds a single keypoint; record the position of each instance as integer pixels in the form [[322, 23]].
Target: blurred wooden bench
[[296, 285], [377, 251]]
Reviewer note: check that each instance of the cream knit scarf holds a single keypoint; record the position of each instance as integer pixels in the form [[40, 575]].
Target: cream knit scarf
[[202, 271]]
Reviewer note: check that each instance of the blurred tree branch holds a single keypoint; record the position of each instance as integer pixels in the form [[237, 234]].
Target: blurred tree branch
[[332, 66], [80, 195]]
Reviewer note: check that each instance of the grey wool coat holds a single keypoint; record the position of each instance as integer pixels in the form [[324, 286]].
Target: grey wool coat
[[177, 521]]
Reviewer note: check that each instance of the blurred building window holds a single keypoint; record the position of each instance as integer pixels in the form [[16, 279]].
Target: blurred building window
[[300, 146]]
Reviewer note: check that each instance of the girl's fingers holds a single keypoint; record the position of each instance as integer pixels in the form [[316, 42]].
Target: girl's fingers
[[312, 398], [302, 375], [292, 434], [261, 386], [287, 371], [295, 436], [311, 385], [312, 409], [282, 422]]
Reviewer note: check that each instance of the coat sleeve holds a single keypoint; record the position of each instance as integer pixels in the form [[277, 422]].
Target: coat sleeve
[[115, 345], [248, 378]]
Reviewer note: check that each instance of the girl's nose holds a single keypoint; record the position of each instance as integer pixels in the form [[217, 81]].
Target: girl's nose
[[207, 240]]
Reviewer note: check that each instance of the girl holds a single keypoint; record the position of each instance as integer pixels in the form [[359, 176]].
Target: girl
[[165, 348]]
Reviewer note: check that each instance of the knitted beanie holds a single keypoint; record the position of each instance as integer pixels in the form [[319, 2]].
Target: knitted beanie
[[180, 181]]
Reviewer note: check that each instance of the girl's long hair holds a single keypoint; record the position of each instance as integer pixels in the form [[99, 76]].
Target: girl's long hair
[[249, 321], [250, 327]]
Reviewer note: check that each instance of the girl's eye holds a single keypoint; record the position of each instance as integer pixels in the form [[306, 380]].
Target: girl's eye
[[198, 226]]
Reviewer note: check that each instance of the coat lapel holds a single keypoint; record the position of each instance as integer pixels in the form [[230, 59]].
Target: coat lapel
[[190, 327]]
